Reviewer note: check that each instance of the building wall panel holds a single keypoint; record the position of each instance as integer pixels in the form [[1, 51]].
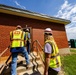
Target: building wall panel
[[9, 22]]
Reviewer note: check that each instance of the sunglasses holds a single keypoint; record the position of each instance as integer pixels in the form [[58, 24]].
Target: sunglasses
[[48, 34]]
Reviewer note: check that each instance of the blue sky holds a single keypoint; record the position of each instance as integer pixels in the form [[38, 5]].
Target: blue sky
[[65, 9]]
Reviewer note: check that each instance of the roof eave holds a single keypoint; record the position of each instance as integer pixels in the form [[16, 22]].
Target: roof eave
[[24, 13]]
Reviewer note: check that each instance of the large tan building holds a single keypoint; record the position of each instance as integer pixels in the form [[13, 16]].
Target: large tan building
[[10, 17]]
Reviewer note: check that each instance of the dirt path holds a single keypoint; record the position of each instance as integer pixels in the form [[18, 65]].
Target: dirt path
[[61, 73]]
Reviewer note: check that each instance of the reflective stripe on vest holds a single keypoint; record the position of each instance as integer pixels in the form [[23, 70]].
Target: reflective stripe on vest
[[55, 57], [17, 38]]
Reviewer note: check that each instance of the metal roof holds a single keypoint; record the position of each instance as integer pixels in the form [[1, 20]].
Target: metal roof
[[33, 15]]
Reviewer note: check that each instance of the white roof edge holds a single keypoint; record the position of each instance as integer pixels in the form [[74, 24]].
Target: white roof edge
[[29, 14]]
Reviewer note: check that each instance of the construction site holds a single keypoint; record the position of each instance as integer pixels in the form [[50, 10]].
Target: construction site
[[10, 17]]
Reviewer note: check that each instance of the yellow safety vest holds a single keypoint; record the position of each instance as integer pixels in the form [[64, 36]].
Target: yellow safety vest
[[27, 39], [17, 38], [55, 57]]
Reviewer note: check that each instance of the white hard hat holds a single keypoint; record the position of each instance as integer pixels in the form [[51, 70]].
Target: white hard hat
[[18, 26], [48, 30], [27, 30]]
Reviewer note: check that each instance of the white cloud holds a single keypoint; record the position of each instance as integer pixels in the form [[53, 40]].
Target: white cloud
[[65, 5], [71, 33], [18, 4], [68, 11]]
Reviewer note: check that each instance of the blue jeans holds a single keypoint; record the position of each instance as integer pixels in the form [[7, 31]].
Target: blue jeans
[[14, 58], [28, 47]]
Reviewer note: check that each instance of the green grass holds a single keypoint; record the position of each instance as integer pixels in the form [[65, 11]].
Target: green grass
[[69, 64], [73, 51]]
